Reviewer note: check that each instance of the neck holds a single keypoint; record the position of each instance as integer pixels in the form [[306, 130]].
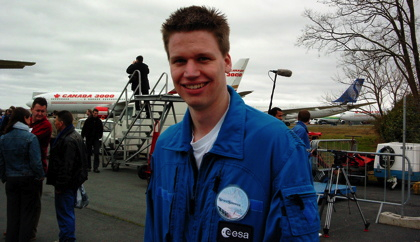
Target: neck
[[205, 120]]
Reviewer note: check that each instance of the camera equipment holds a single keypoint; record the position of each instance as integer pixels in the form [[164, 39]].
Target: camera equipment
[[340, 157]]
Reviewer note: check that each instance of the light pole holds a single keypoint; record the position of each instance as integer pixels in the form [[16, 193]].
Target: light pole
[[280, 72]]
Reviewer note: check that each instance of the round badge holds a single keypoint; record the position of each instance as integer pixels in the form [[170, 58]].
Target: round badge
[[232, 203]]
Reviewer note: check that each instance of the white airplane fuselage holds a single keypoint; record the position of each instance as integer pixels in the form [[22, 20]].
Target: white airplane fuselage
[[79, 102], [359, 116]]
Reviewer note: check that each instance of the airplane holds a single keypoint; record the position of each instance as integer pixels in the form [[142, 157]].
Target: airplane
[[10, 64], [359, 116], [79, 102], [344, 103], [334, 119]]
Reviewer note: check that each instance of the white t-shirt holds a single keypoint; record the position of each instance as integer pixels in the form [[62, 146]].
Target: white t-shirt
[[203, 145]]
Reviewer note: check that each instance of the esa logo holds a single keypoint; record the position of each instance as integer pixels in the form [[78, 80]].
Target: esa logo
[[227, 233]]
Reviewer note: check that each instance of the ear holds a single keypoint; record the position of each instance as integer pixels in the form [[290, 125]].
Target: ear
[[228, 63]]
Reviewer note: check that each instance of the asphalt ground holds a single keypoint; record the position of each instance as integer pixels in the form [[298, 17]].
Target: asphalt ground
[[117, 209]]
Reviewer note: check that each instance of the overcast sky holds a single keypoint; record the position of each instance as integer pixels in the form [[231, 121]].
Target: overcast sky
[[83, 45]]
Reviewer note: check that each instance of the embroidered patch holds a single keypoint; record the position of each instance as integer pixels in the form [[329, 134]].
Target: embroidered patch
[[228, 231], [232, 203]]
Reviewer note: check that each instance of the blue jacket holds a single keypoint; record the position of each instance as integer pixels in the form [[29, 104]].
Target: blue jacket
[[250, 184], [20, 154], [302, 131]]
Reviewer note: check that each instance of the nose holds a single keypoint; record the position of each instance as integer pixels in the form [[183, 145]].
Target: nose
[[191, 69]]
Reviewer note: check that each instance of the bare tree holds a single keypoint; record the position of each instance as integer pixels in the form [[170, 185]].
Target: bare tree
[[377, 39]]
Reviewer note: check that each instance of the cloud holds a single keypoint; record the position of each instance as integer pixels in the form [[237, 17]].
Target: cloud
[[87, 46]]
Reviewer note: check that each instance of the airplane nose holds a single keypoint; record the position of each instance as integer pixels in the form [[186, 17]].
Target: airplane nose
[[29, 104]]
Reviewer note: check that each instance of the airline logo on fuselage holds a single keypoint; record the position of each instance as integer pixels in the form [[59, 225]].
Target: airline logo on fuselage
[[84, 96]]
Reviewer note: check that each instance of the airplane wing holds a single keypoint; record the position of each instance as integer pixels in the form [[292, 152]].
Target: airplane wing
[[344, 106], [291, 114], [9, 64], [244, 93]]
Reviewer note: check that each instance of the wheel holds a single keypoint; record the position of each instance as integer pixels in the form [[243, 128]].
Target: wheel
[[143, 172], [115, 166]]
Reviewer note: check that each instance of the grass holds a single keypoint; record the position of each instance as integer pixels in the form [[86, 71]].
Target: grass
[[365, 135]]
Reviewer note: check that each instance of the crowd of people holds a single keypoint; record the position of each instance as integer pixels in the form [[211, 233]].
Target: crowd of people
[[24, 144]]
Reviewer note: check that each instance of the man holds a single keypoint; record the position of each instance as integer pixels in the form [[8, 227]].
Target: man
[[227, 171], [138, 65], [88, 113], [300, 128], [67, 171], [93, 130], [277, 113], [42, 128]]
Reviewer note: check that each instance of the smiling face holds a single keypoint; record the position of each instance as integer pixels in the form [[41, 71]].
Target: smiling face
[[199, 69]]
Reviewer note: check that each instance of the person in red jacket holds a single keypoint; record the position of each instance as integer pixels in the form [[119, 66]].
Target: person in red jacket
[[41, 127]]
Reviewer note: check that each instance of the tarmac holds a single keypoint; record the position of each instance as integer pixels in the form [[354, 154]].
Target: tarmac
[[117, 210]]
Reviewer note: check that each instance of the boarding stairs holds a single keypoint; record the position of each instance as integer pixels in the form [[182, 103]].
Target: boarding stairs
[[130, 139]]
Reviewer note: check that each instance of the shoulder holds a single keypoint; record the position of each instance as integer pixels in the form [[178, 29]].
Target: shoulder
[[46, 122], [172, 132]]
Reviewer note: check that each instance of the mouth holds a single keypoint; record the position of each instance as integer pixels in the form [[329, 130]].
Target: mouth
[[195, 86]]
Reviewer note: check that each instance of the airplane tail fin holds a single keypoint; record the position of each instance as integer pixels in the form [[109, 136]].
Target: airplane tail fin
[[34, 94], [352, 93], [234, 77]]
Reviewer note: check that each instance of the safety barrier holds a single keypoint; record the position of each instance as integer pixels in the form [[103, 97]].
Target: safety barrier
[[323, 161]]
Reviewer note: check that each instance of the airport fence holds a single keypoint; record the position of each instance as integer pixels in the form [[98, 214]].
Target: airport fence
[[324, 160]]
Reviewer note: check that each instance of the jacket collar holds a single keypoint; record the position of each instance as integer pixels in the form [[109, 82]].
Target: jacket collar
[[66, 131], [230, 141], [22, 126], [303, 125]]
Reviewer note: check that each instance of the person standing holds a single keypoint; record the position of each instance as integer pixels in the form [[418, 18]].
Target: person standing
[[301, 129], [67, 171], [88, 113], [138, 65], [41, 127], [21, 169], [277, 113], [6, 117], [93, 130], [54, 129], [226, 169]]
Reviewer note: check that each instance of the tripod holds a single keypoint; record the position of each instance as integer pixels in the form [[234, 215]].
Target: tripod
[[330, 196]]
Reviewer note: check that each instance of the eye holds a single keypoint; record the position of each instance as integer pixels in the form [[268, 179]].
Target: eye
[[203, 59], [178, 61]]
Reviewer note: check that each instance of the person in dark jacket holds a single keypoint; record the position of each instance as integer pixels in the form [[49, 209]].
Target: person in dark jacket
[[66, 172], [21, 169], [93, 130], [138, 65], [6, 118]]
